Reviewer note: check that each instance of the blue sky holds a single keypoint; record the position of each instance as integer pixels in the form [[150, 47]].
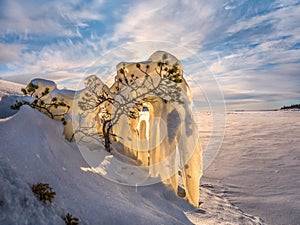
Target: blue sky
[[251, 47]]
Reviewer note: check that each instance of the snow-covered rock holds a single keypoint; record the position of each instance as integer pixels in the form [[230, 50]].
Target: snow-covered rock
[[171, 125], [43, 155]]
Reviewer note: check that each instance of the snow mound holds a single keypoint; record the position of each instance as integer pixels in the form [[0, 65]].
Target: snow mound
[[7, 101], [10, 88], [9, 93], [19, 205], [33, 147]]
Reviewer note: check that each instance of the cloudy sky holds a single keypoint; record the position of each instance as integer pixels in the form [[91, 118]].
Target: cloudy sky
[[251, 48]]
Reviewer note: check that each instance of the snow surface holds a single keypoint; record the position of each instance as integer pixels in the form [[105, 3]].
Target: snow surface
[[258, 165], [9, 93], [33, 150], [42, 155], [10, 88]]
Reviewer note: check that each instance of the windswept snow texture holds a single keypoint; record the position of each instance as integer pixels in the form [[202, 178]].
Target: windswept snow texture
[[9, 93], [216, 209], [33, 147], [10, 88], [259, 165]]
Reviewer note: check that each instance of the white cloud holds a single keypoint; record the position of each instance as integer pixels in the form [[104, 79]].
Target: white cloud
[[185, 23], [285, 21], [24, 18], [29, 22], [59, 61], [87, 11], [10, 52], [54, 18]]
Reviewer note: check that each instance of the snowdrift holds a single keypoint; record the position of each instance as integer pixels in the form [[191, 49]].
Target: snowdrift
[[9, 93], [33, 150]]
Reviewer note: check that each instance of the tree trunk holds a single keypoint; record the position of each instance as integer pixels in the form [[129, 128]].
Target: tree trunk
[[106, 133]]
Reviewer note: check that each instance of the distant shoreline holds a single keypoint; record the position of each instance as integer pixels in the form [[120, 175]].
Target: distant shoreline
[[295, 106]]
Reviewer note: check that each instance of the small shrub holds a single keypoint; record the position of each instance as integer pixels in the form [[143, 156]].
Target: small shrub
[[43, 192], [70, 220], [44, 103]]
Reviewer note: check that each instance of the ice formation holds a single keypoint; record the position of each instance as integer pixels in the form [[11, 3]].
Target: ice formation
[[163, 138], [169, 126]]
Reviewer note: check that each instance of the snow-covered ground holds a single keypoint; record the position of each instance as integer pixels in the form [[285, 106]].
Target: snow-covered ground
[[10, 88], [257, 170], [9, 93], [258, 165], [33, 150]]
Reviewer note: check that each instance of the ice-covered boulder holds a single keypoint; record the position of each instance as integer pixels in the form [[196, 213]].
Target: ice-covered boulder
[[170, 125], [65, 96]]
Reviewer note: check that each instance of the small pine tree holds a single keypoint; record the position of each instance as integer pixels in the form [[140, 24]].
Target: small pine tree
[[43, 192], [70, 220], [39, 102], [167, 89]]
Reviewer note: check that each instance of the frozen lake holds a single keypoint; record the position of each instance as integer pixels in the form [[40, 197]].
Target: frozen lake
[[258, 165]]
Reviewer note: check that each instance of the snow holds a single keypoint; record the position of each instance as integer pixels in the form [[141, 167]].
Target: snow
[[171, 125], [9, 93], [42, 155], [67, 95], [19, 206], [10, 88], [258, 165], [34, 150], [216, 209]]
